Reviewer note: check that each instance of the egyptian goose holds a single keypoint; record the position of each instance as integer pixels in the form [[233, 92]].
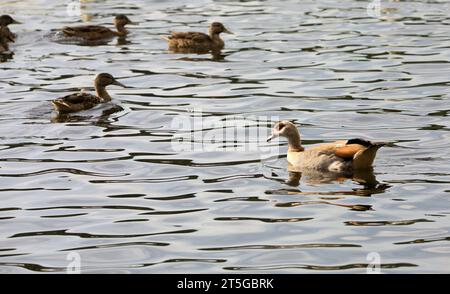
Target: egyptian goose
[[339, 156], [83, 101]]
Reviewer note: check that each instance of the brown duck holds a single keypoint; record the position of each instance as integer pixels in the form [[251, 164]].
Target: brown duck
[[5, 21], [83, 101], [95, 32], [4, 47], [179, 41]]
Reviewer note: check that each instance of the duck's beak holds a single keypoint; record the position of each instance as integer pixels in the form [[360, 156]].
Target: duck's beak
[[270, 138], [227, 31], [16, 22], [117, 83]]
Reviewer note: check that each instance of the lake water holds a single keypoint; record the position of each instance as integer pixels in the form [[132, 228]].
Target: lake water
[[117, 191]]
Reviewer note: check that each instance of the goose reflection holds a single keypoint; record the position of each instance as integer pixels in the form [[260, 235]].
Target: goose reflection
[[366, 179]]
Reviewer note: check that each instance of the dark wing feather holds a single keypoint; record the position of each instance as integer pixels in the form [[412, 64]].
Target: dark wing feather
[[80, 98], [359, 141], [356, 146]]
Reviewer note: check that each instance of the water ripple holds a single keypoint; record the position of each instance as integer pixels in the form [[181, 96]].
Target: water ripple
[[111, 183]]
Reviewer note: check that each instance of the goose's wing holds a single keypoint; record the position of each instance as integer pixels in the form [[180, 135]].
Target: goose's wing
[[349, 151], [346, 149]]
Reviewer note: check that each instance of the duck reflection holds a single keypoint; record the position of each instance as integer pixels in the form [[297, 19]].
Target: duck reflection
[[5, 55], [105, 114], [122, 40], [216, 55]]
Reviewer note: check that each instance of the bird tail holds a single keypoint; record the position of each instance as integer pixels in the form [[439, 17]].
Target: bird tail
[[68, 31], [364, 159], [379, 144], [167, 38], [61, 106]]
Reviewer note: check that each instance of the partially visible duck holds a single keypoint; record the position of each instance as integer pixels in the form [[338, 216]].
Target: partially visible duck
[[179, 41], [4, 47], [83, 101], [340, 156], [96, 32], [5, 21]]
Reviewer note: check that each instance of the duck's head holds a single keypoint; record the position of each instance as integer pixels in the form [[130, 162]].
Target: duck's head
[[217, 28], [105, 79], [285, 129], [6, 20], [122, 20]]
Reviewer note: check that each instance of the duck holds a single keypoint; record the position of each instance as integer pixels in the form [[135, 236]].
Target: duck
[[96, 32], [4, 47], [7, 35], [83, 101], [5, 21], [192, 41], [342, 156]]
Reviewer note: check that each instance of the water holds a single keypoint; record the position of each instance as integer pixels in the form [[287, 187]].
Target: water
[[112, 188]]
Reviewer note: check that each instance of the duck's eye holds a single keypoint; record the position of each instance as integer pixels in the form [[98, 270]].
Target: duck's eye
[[280, 126]]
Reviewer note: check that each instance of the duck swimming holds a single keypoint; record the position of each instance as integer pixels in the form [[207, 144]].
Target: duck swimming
[[4, 47], [96, 32], [83, 101], [198, 41], [340, 156], [5, 21]]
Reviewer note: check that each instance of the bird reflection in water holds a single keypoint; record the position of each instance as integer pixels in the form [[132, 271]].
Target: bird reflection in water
[[365, 178], [105, 114], [216, 55]]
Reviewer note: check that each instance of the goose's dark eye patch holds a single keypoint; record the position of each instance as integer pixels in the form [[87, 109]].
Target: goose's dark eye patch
[[280, 126]]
